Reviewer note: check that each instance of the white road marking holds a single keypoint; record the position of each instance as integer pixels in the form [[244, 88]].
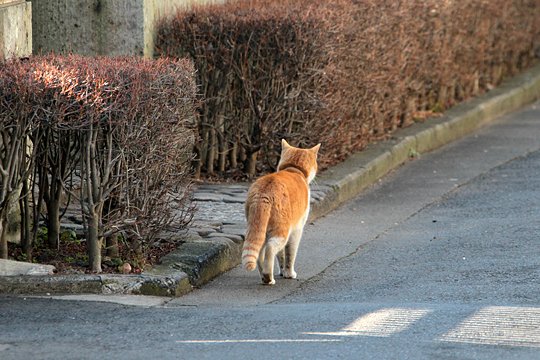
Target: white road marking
[[255, 341], [499, 325]]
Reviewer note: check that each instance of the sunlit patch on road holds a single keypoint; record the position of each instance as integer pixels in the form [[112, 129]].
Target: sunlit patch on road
[[384, 322], [499, 325], [492, 325]]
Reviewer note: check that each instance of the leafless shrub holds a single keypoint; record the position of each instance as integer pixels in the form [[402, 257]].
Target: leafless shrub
[[16, 151], [256, 67], [344, 72], [116, 133]]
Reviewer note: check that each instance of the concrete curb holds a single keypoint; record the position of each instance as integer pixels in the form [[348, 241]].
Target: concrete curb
[[216, 246], [172, 285]]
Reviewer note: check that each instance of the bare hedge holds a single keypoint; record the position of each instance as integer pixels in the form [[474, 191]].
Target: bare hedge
[[344, 72], [115, 134]]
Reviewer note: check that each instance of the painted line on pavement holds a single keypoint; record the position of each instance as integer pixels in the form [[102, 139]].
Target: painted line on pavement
[[255, 341]]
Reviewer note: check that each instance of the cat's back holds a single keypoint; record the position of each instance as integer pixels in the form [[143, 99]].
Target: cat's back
[[281, 187]]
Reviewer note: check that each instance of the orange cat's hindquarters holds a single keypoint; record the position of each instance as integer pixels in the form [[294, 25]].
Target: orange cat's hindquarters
[[258, 214]]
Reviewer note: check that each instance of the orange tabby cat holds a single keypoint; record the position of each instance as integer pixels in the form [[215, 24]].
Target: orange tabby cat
[[277, 208]]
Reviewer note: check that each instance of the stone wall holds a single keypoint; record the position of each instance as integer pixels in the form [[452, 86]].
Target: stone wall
[[15, 28], [100, 27]]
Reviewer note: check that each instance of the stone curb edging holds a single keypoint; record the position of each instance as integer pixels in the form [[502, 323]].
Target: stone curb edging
[[172, 285], [215, 246]]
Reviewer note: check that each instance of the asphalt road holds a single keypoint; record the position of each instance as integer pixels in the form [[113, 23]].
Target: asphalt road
[[440, 260]]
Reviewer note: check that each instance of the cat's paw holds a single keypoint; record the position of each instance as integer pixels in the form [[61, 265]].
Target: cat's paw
[[289, 274], [267, 279]]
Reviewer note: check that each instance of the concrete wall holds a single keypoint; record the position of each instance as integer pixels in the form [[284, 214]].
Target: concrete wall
[[100, 27], [15, 28], [87, 27]]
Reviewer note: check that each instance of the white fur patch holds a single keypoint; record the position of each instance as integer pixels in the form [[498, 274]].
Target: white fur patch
[[311, 176]]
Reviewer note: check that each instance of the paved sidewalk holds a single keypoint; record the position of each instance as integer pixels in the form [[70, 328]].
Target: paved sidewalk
[[213, 244]]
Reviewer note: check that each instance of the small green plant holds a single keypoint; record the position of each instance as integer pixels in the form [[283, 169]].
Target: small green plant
[[68, 235], [42, 234], [80, 259], [438, 108], [22, 257]]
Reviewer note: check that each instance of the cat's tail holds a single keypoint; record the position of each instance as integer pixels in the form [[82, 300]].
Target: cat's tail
[[259, 214]]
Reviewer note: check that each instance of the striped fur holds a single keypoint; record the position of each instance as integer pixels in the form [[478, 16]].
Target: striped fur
[[277, 208]]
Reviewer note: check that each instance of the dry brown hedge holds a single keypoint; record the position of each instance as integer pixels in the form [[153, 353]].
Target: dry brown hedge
[[115, 134], [344, 72]]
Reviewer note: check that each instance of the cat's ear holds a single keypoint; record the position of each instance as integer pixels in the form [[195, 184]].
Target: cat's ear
[[316, 148], [284, 144]]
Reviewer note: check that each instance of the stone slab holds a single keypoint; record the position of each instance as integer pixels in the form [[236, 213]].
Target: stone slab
[[12, 268]]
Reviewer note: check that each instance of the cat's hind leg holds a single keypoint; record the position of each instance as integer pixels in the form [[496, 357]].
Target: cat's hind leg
[[273, 246], [281, 261], [290, 254], [260, 260]]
